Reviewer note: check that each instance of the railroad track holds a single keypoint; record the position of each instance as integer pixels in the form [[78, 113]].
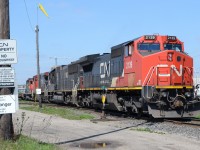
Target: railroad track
[[193, 122], [98, 112], [188, 122]]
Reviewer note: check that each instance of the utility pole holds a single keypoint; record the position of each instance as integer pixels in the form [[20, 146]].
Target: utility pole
[[38, 59], [38, 64], [6, 124]]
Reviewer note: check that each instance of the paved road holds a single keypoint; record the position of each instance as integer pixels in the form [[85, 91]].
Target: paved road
[[84, 134]]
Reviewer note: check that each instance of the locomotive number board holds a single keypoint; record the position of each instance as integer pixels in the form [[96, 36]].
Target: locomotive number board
[[150, 37], [171, 38]]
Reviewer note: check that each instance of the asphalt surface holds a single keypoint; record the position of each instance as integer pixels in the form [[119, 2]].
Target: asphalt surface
[[86, 134]]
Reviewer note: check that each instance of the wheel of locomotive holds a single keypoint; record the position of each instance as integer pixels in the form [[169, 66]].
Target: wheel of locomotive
[[46, 99], [90, 103], [50, 97], [87, 104], [81, 104], [129, 111], [137, 111], [66, 99]]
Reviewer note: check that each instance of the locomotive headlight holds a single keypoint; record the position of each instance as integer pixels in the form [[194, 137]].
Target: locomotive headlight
[[188, 94], [170, 56]]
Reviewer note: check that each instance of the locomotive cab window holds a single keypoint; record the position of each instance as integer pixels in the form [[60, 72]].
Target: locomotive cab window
[[149, 46], [171, 46], [128, 50]]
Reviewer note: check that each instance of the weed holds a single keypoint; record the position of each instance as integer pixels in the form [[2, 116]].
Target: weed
[[20, 124], [62, 112], [146, 130], [25, 143], [198, 116]]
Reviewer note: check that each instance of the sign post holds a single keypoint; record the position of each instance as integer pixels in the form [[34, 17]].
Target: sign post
[[6, 124]]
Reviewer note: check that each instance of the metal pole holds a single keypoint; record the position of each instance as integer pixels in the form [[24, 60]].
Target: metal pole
[[56, 61], [6, 124], [103, 116], [38, 65]]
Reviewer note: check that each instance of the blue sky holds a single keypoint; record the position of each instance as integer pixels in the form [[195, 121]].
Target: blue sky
[[80, 27]]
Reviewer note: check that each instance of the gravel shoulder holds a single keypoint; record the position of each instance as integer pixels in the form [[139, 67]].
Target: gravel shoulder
[[121, 134]]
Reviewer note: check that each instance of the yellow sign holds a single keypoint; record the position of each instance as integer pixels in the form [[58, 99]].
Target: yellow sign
[[103, 99]]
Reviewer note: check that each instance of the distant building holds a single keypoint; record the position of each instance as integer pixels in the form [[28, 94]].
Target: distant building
[[21, 89]]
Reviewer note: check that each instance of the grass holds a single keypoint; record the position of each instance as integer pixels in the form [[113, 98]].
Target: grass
[[66, 113], [146, 130], [198, 116], [25, 143]]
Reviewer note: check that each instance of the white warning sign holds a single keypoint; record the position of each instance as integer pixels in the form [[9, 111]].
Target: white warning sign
[[7, 104], [7, 77], [8, 51]]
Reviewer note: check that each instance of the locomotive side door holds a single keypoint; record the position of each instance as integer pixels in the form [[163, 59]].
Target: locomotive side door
[[128, 66]]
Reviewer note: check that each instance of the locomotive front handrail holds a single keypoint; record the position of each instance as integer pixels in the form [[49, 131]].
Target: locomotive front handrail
[[148, 75], [190, 69]]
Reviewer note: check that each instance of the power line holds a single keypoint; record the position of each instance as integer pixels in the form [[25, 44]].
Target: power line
[[28, 16]]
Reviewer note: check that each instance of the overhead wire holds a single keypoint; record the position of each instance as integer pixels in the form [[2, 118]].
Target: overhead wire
[[28, 16]]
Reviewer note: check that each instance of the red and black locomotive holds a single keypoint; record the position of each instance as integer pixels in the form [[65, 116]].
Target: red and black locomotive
[[151, 74]]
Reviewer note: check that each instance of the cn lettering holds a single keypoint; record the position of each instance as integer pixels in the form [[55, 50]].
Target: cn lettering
[[104, 69]]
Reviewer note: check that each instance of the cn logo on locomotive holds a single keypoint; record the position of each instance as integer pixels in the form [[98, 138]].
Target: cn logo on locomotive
[[173, 67], [104, 69]]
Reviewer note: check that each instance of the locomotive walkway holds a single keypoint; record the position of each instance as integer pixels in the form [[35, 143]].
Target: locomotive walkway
[[73, 134]]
